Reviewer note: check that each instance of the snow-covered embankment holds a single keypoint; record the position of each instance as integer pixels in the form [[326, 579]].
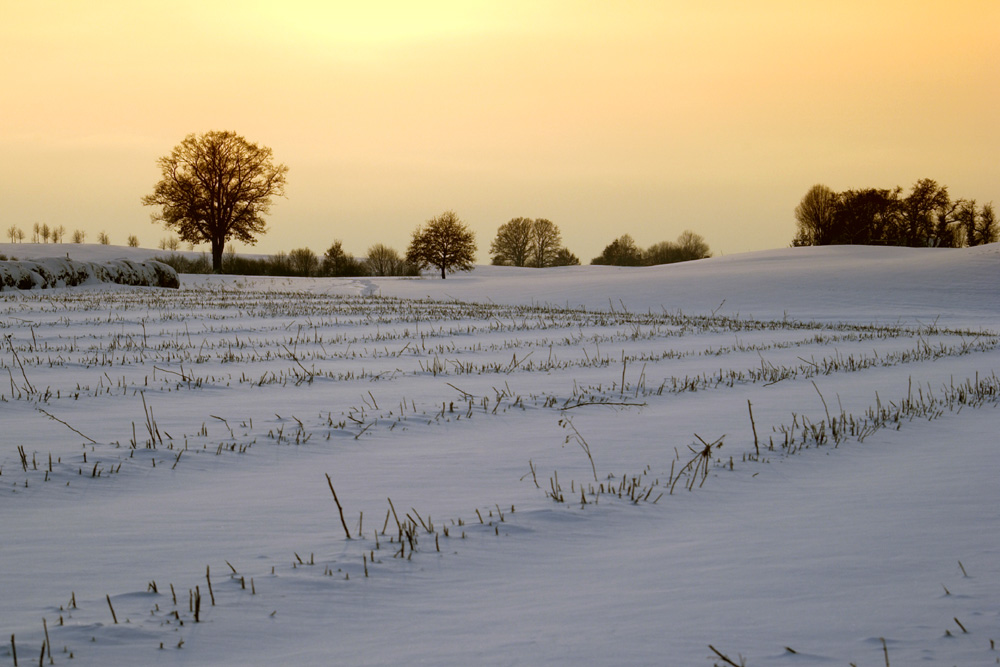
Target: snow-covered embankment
[[65, 272]]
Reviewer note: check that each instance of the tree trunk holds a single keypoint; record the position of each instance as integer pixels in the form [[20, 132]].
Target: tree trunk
[[443, 276], [217, 246]]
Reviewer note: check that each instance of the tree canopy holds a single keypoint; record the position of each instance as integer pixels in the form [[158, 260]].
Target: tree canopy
[[215, 187], [443, 242]]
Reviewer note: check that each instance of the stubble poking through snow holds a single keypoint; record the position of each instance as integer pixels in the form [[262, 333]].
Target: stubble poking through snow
[[191, 433]]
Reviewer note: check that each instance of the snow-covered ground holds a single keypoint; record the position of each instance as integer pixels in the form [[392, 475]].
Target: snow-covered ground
[[64, 272], [790, 456]]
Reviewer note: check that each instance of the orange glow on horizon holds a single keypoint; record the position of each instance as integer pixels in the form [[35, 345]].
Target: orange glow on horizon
[[647, 118]]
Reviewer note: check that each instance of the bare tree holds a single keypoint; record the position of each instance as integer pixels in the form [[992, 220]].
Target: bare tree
[[12, 232], [443, 242], [512, 244], [545, 243], [966, 216], [920, 224], [279, 264], [689, 246], [984, 226], [565, 258], [303, 262], [79, 236], [36, 232], [336, 262], [133, 241], [46, 232], [664, 252], [815, 216], [692, 246], [103, 238], [865, 216], [527, 242], [58, 234], [385, 261], [215, 187], [621, 252]]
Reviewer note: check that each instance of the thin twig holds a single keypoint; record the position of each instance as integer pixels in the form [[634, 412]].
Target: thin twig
[[113, 616], [339, 508], [51, 416], [580, 405], [296, 360], [723, 657], [461, 391], [167, 370], [27, 382]]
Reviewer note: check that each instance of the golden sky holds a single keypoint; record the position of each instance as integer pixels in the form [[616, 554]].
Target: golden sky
[[605, 117]]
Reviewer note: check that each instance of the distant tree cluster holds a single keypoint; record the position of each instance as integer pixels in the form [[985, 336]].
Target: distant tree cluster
[[623, 251], [40, 233], [335, 262], [926, 217], [43, 233], [526, 242]]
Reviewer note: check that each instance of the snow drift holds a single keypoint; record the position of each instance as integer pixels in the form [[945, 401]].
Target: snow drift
[[65, 272]]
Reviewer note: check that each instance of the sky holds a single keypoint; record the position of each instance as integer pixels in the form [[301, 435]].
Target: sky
[[647, 118]]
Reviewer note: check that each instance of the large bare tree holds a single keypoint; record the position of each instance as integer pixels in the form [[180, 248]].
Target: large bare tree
[[545, 243], [815, 216], [444, 243], [215, 187], [921, 224]]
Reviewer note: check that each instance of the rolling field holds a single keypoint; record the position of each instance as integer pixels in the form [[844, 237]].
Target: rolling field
[[786, 457]]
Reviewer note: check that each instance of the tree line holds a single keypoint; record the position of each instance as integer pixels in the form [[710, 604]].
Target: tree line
[[42, 233], [925, 217], [217, 187], [381, 260]]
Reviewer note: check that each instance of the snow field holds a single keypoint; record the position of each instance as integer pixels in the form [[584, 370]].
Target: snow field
[[195, 428]]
